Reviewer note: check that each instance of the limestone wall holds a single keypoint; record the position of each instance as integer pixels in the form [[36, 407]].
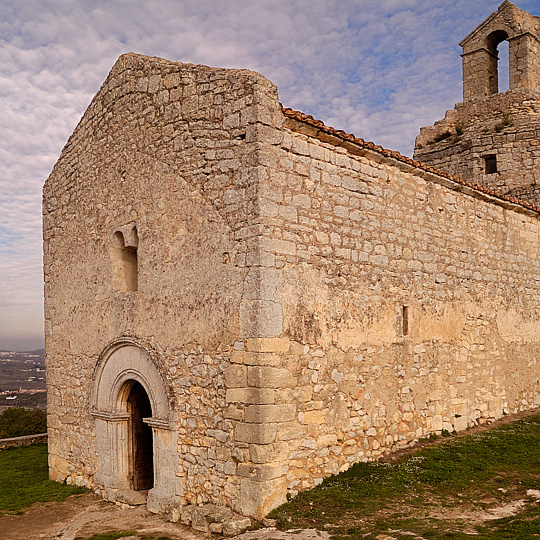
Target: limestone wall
[[25, 440], [162, 148], [294, 301], [408, 307], [506, 126]]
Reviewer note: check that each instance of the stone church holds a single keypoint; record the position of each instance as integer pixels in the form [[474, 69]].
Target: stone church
[[241, 301]]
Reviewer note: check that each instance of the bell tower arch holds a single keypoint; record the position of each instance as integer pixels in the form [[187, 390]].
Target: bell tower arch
[[491, 138], [481, 56]]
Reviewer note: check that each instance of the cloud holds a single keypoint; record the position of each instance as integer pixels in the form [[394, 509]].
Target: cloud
[[376, 68]]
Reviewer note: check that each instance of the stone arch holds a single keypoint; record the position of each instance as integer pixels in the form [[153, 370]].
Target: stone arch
[[481, 55], [122, 363], [493, 40], [128, 359]]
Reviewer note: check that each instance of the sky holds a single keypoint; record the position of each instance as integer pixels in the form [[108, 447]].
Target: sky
[[377, 68]]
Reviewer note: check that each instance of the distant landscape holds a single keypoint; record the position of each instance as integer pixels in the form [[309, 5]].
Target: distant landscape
[[22, 379]]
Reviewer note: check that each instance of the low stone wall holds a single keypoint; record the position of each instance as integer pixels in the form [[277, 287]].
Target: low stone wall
[[26, 440]]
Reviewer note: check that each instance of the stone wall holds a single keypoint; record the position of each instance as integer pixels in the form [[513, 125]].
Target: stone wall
[[409, 305], [506, 126], [167, 150], [297, 300], [25, 440]]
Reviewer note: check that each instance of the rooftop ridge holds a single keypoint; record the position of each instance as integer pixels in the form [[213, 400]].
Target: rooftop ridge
[[349, 137]]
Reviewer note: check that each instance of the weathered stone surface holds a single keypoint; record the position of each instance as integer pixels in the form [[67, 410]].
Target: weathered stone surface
[[235, 526], [270, 413], [255, 433], [492, 138], [288, 301]]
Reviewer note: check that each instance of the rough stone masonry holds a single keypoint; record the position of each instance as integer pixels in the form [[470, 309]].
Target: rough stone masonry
[[240, 300]]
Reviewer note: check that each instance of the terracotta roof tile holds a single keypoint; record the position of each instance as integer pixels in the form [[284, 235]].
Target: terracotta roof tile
[[340, 134]]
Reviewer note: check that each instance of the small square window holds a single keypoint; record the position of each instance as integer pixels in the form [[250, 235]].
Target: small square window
[[490, 164]]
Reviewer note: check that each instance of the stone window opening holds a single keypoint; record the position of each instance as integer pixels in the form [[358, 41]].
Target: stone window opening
[[503, 66], [124, 259], [405, 320], [490, 164], [498, 68]]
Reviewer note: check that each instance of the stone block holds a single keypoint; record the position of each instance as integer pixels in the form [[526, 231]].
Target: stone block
[[131, 497], [261, 318], [260, 472], [278, 246], [217, 434], [288, 431], [327, 440], [297, 394], [269, 377], [275, 345], [234, 412], [235, 376], [265, 453], [262, 283], [262, 359], [270, 413], [258, 498], [234, 527], [314, 417], [255, 433], [250, 395], [460, 423]]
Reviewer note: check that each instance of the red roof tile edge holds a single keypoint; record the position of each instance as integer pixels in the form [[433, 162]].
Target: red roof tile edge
[[340, 134]]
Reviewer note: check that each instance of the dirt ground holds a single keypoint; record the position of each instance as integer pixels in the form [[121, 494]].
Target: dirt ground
[[85, 515], [81, 516]]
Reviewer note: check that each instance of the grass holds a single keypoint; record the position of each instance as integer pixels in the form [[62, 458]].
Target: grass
[[24, 479], [440, 491], [503, 124]]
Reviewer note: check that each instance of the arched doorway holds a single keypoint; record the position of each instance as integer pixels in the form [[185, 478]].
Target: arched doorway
[[135, 437], [141, 457]]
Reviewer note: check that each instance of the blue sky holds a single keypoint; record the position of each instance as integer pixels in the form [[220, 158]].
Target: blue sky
[[377, 68]]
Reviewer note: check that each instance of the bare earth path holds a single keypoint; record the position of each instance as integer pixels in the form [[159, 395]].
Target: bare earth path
[[84, 516]]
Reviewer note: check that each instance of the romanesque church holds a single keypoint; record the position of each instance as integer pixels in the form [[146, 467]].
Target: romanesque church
[[241, 301]]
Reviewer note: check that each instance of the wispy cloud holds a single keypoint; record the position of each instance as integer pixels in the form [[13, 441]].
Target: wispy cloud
[[377, 68]]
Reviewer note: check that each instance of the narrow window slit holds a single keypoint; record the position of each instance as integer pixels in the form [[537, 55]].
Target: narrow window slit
[[124, 259], [405, 320]]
